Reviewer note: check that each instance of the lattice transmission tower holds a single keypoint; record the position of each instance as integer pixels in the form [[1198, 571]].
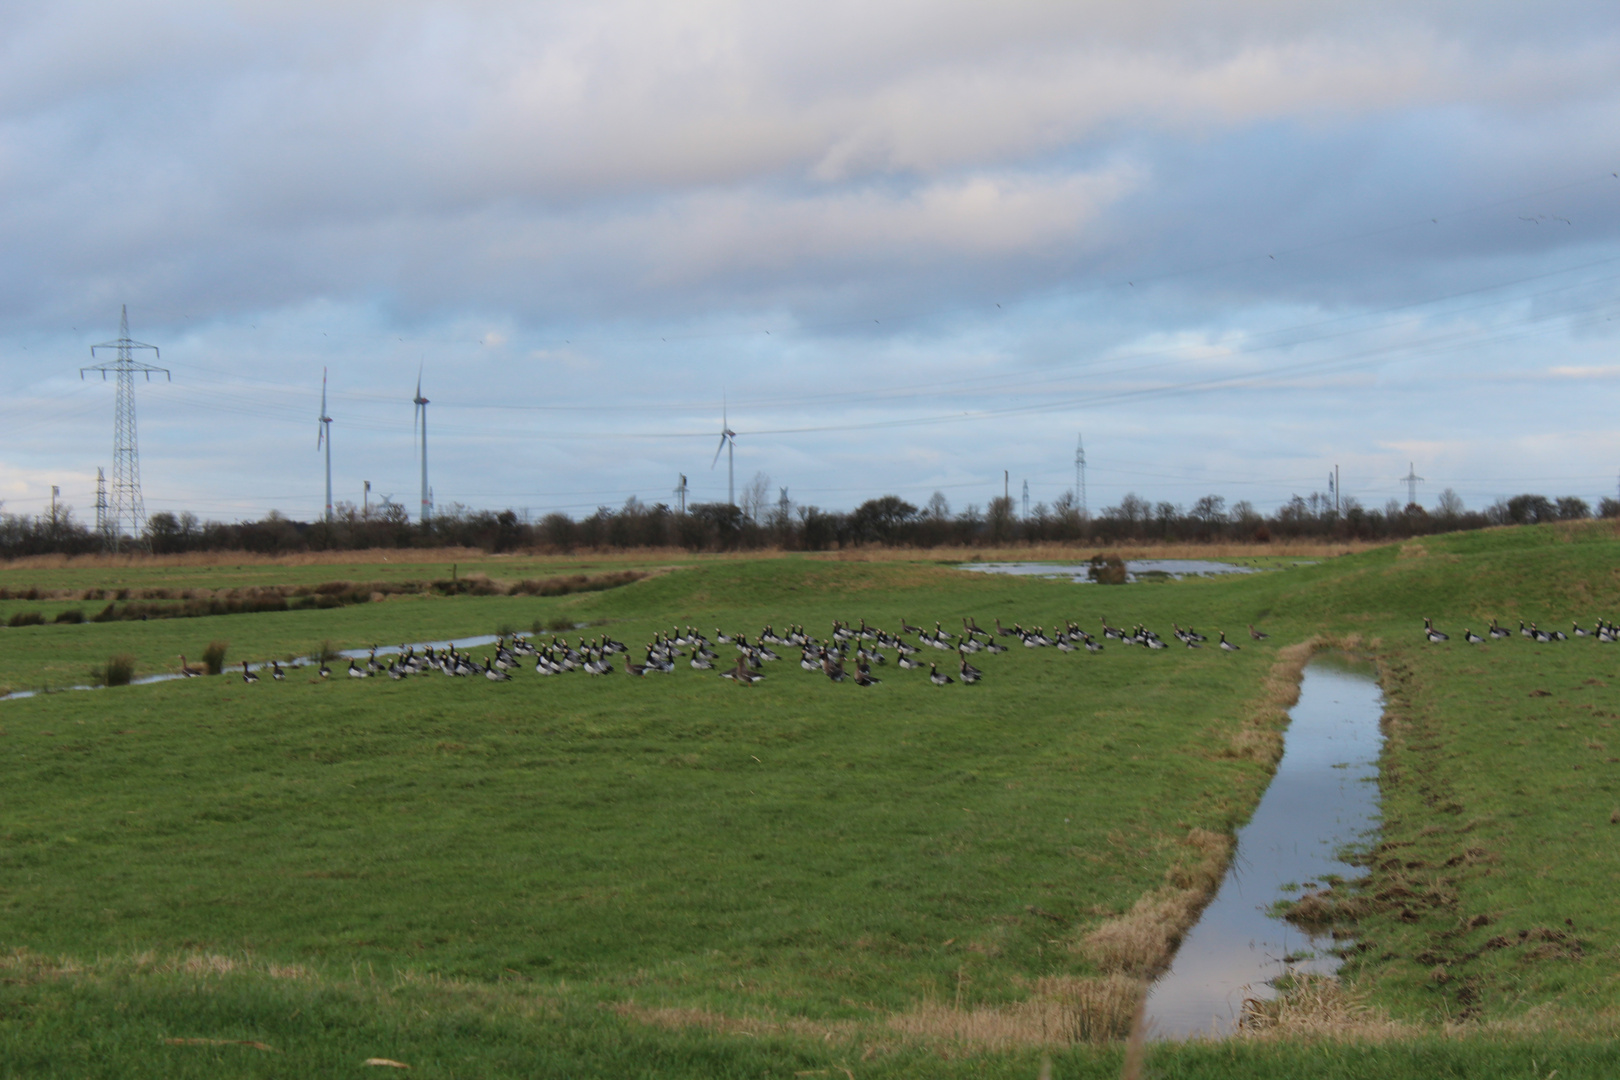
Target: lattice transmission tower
[[126, 514], [1080, 474], [104, 527]]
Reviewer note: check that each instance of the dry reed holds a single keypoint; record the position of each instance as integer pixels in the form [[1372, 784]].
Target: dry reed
[[1141, 942], [1062, 1011], [1318, 1006]]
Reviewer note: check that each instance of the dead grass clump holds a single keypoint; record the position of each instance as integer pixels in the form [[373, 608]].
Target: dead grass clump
[[1062, 1011], [1141, 942], [207, 964], [214, 656], [289, 971], [1317, 1006], [120, 670], [676, 1018]]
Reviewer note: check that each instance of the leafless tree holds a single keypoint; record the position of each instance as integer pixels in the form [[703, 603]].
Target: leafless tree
[[756, 496]]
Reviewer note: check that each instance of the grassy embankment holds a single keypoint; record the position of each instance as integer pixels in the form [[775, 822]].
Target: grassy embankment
[[681, 876]]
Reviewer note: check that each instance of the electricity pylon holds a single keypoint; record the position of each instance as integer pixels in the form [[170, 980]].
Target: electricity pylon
[[128, 509], [1080, 473], [1412, 480], [104, 527]]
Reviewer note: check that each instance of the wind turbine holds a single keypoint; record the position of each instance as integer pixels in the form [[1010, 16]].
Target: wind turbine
[[421, 415], [728, 443], [324, 436]]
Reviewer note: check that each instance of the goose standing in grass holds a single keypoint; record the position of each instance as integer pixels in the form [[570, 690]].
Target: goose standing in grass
[[1227, 646], [275, 671], [938, 679], [909, 664], [249, 676], [1435, 637], [863, 676], [495, 674], [969, 673], [1498, 631], [355, 672], [1256, 634], [186, 670], [1471, 637]]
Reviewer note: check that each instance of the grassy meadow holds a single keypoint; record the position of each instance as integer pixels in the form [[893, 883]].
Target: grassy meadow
[[678, 876]]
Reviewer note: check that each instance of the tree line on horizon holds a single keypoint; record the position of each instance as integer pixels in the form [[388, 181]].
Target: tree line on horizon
[[757, 524]]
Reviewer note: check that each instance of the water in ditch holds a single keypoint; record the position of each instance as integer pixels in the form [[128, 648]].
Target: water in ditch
[[1323, 798]]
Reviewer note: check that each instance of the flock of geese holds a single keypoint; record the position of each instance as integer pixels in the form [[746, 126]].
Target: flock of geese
[[1603, 630], [850, 653]]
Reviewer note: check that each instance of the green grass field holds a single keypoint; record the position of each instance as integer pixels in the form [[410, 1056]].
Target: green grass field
[[678, 876]]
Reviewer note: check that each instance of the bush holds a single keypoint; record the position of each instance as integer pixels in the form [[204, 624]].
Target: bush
[[120, 670], [214, 656], [73, 615], [1107, 570], [505, 629], [324, 653], [560, 623], [27, 618]]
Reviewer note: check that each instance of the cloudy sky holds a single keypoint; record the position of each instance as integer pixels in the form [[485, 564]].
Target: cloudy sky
[[909, 245]]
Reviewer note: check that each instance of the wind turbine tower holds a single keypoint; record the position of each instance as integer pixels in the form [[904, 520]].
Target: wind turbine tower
[[421, 414], [324, 436], [128, 509], [728, 443]]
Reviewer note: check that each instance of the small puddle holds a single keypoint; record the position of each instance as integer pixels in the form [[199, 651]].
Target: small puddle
[[1323, 797], [1135, 569]]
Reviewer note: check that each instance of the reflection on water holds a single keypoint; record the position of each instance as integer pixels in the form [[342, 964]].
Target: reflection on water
[[1324, 796], [1134, 569]]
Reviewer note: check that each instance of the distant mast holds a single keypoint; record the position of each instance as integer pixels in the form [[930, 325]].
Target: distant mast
[[421, 404], [324, 437]]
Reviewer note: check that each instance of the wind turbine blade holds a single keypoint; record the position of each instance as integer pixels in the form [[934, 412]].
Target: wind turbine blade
[[717, 450]]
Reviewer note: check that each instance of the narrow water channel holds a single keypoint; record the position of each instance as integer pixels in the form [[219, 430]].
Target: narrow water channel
[[1323, 797]]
